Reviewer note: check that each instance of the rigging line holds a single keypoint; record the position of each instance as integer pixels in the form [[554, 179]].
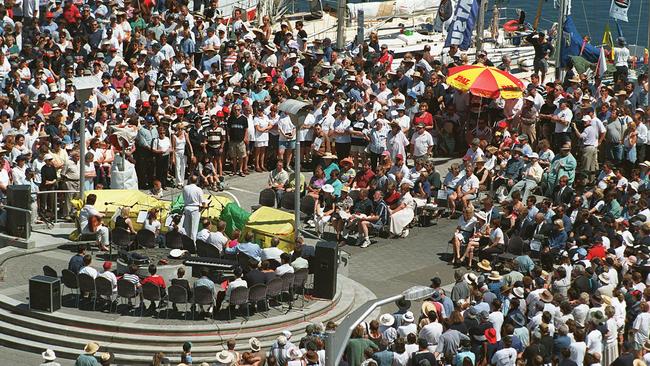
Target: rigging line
[[638, 23], [584, 11]]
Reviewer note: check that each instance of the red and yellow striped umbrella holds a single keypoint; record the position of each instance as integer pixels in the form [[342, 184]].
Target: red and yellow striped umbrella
[[485, 81]]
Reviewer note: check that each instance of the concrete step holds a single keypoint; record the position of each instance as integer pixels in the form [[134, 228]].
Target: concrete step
[[162, 338], [23, 330]]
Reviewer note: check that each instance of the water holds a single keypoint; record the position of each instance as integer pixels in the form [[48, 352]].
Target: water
[[590, 19], [597, 17]]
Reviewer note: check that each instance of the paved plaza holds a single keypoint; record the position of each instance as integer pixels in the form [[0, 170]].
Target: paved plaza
[[386, 267]]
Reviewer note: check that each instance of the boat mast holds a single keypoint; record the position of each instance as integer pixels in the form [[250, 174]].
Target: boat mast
[[480, 24], [560, 35], [538, 15], [340, 25]]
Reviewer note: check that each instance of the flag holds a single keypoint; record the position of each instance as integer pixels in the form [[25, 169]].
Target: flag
[[645, 56], [608, 41], [460, 29], [601, 66], [618, 9]]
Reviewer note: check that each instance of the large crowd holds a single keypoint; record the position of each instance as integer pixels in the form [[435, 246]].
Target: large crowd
[[558, 178]]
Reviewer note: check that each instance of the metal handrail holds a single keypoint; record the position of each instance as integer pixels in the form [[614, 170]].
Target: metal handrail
[[56, 201]]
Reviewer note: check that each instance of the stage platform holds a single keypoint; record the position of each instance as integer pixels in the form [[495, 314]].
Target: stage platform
[[134, 339]]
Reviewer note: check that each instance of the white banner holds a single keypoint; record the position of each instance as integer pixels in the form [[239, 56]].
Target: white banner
[[618, 9]]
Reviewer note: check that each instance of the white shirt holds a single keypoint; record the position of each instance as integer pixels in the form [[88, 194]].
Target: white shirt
[[505, 357], [111, 277], [578, 350], [283, 269], [408, 328], [621, 56], [421, 143], [237, 282], [192, 196], [89, 271], [431, 332], [468, 183], [272, 253], [595, 342], [565, 115], [262, 122]]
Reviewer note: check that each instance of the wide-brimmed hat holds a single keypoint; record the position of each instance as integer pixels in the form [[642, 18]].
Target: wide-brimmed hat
[[484, 265], [176, 253], [347, 160], [495, 276], [546, 296], [518, 292], [225, 356], [646, 345], [604, 278], [255, 344], [49, 355], [481, 215], [596, 299], [387, 320], [328, 188], [518, 318], [408, 317], [311, 357], [91, 348], [491, 335], [428, 306], [470, 278]]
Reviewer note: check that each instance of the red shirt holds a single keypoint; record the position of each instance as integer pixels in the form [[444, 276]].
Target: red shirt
[[425, 118], [72, 14], [597, 251], [363, 179], [156, 280], [386, 58]]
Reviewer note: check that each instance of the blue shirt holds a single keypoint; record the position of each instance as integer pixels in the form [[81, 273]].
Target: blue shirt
[[204, 281], [250, 249], [76, 263], [557, 240], [328, 169]]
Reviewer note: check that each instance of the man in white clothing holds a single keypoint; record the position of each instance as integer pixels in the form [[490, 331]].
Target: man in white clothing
[[272, 252], [87, 269], [285, 267], [193, 198], [507, 356], [421, 143], [107, 274], [214, 239]]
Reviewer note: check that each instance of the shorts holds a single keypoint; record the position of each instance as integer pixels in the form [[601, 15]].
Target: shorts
[[377, 225], [283, 145], [541, 65], [237, 149], [261, 143], [358, 149], [214, 152], [470, 197]]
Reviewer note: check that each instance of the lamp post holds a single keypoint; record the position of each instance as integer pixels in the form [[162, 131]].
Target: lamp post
[[297, 111], [337, 342]]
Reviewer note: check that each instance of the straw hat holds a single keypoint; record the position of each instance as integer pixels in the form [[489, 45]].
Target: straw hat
[[91, 348], [225, 357], [495, 276], [428, 306], [485, 265], [408, 317], [546, 296]]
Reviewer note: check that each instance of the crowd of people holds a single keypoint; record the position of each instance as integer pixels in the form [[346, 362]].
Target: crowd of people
[[558, 177]]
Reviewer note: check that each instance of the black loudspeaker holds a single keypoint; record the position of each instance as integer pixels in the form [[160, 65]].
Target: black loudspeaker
[[44, 293], [18, 223], [325, 266]]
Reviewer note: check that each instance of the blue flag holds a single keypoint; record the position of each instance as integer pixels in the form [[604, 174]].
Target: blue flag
[[460, 29]]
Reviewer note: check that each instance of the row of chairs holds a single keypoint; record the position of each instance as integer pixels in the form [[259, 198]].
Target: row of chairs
[[101, 288]]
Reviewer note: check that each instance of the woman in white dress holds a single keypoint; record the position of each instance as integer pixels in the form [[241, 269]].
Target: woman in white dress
[[404, 213], [262, 128], [611, 339], [179, 141]]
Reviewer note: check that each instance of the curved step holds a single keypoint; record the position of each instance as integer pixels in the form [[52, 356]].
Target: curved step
[[23, 331]]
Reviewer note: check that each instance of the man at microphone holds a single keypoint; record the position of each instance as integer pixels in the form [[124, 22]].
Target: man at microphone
[[194, 202]]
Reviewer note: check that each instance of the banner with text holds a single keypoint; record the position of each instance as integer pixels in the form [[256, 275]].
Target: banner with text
[[460, 29], [618, 9]]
